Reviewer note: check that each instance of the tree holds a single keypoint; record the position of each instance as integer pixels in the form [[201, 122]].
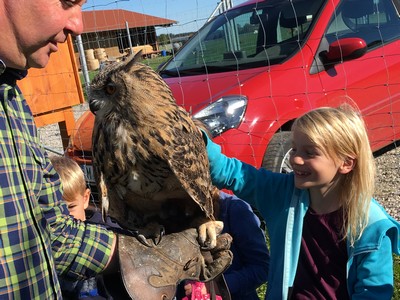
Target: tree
[[163, 39]]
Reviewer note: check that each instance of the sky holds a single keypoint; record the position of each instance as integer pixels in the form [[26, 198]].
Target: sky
[[190, 14]]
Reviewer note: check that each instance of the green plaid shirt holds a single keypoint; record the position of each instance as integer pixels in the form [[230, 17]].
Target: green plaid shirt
[[38, 239]]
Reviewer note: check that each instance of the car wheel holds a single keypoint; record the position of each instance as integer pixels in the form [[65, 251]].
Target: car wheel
[[276, 158]]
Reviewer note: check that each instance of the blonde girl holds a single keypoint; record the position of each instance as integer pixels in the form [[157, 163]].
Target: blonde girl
[[329, 239]]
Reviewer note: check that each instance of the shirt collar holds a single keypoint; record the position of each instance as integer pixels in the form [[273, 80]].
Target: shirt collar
[[10, 76]]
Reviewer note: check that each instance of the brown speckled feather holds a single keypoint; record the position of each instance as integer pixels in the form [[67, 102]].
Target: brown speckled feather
[[149, 158], [189, 161]]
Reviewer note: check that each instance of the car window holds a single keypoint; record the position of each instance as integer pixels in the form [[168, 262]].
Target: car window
[[250, 36], [375, 21]]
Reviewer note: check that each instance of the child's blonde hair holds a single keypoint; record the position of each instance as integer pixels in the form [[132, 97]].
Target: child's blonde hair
[[72, 177], [341, 134]]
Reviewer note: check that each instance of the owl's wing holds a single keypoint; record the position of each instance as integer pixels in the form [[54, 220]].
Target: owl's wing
[[189, 162]]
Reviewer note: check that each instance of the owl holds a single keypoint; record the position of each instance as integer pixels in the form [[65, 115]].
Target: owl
[[149, 157]]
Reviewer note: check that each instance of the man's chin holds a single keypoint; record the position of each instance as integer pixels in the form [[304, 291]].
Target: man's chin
[[39, 62]]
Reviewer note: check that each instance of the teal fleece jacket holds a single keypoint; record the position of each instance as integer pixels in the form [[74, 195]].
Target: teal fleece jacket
[[370, 261]]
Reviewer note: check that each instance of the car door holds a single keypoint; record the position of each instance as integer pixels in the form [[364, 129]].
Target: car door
[[371, 81]]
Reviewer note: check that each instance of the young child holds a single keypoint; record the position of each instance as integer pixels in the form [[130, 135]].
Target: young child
[[250, 262], [75, 191], [77, 196], [328, 238]]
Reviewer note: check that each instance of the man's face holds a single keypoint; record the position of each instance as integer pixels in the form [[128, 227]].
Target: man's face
[[33, 28]]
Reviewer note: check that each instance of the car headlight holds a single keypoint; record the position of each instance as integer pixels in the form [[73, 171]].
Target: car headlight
[[224, 114]]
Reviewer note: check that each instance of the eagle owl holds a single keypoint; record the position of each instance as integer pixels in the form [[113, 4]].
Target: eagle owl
[[149, 158]]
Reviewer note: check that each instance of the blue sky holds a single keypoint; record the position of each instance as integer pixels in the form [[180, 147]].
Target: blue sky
[[190, 14]]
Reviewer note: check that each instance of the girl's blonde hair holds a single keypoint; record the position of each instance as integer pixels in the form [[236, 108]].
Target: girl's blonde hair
[[72, 177], [341, 134]]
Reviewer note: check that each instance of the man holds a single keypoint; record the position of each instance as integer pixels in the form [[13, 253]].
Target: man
[[39, 241]]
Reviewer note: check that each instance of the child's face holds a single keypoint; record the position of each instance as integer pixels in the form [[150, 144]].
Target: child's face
[[77, 207], [312, 168]]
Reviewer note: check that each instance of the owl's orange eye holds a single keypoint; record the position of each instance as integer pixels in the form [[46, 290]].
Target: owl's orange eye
[[110, 89]]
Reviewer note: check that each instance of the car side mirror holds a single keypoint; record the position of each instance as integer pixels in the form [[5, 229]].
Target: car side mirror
[[344, 49]]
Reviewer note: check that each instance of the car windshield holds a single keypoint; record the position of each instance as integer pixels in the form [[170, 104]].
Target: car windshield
[[250, 36]]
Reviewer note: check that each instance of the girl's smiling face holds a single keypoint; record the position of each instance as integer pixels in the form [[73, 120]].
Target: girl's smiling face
[[312, 167]]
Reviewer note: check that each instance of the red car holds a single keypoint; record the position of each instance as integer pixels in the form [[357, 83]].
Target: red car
[[251, 71]]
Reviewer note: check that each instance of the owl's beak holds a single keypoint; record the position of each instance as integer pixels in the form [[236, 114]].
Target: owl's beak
[[94, 105]]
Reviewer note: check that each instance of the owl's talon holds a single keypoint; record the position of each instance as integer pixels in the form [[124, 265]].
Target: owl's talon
[[160, 236], [162, 231], [141, 238], [156, 242]]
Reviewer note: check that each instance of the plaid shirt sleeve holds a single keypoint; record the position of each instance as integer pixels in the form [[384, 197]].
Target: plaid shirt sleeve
[[36, 232], [80, 250]]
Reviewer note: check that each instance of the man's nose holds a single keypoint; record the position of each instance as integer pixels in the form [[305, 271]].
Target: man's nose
[[75, 23]]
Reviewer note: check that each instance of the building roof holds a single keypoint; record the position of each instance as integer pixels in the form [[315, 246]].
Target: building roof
[[106, 20]]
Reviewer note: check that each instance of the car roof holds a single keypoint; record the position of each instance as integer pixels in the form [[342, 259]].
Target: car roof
[[249, 2]]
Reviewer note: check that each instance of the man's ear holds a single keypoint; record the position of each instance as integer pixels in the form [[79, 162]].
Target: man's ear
[[347, 165], [86, 198]]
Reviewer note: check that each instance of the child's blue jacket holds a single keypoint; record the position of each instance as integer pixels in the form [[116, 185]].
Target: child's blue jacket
[[370, 261]]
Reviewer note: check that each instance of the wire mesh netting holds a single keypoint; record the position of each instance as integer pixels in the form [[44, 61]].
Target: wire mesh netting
[[250, 71], [246, 72]]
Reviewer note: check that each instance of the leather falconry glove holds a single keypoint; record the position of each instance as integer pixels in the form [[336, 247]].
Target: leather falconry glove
[[154, 272]]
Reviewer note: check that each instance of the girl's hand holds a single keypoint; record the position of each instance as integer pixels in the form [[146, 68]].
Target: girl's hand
[[188, 289]]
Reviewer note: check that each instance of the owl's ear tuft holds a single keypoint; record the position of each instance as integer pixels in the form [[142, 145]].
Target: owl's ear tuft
[[138, 56], [134, 59]]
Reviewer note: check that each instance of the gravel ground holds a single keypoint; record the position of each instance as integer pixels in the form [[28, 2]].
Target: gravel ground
[[388, 181], [388, 166]]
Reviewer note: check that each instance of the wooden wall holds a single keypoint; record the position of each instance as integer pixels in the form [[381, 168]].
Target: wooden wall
[[53, 91]]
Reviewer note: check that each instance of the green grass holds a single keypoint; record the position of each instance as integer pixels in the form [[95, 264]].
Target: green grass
[[155, 62], [261, 291], [396, 262]]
